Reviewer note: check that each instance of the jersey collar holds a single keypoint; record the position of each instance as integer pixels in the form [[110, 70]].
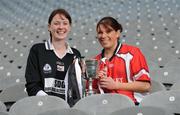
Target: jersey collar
[[49, 46], [115, 51]]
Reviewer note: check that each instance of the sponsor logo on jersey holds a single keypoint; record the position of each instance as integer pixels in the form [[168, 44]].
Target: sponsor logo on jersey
[[54, 85]]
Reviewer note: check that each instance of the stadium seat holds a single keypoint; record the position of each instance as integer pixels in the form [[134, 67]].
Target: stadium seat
[[8, 81], [12, 94], [168, 100], [103, 104], [176, 86], [2, 107], [36, 104], [146, 110], [156, 86], [4, 113], [172, 71], [66, 111]]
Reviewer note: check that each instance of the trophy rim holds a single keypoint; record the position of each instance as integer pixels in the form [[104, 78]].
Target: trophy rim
[[91, 59]]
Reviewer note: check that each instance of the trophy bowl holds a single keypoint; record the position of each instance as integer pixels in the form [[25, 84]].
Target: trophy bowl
[[91, 66]]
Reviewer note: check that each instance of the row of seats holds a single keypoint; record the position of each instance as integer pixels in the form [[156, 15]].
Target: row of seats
[[167, 102], [17, 91], [151, 25], [147, 110]]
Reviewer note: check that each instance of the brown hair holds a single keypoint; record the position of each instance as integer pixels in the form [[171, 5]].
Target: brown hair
[[59, 11], [110, 21]]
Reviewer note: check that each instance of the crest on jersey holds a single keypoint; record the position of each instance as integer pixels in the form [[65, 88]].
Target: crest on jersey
[[47, 68]]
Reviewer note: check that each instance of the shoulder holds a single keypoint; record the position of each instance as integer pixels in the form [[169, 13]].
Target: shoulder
[[37, 47], [98, 57], [129, 48], [76, 52]]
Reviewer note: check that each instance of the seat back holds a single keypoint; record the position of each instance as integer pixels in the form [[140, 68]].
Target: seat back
[[156, 86], [148, 110], [170, 100], [175, 86], [103, 104], [2, 106], [3, 113], [36, 104], [13, 93], [66, 111]]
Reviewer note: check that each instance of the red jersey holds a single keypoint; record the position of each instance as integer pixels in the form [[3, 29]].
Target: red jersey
[[126, 65]]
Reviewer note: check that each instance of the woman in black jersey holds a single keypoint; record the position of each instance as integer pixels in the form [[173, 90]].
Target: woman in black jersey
[[48, 63]]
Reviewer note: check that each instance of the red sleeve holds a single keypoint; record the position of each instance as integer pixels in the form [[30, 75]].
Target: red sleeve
[[139, 67]]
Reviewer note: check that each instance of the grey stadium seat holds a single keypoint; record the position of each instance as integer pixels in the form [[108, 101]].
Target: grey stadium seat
[[156, 86], [66, 111], [175, 86], [36, 104], [13, 93], [2, 106], [103, 104], [168, 100], [146, 110]]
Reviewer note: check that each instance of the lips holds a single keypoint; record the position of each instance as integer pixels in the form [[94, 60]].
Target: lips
[[60, 32], [104, 41]]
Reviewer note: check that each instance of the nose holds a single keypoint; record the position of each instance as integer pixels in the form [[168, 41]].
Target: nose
[[61, 25], [103, 35]]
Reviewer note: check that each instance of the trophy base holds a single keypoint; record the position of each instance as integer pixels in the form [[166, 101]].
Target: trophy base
[[91, 93]]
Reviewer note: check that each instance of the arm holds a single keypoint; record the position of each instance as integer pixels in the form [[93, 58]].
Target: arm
[[33, 80], [136, 86]]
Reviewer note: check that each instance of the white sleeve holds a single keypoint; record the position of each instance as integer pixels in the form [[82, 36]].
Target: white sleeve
[[78, 77]]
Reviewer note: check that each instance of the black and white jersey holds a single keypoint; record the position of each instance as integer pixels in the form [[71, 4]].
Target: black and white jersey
[[46, 71]]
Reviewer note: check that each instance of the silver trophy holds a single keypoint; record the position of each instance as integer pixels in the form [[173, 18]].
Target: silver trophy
[[89, 70]]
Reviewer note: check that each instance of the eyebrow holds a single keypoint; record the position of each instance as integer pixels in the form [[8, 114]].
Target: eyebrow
[[61, 21]]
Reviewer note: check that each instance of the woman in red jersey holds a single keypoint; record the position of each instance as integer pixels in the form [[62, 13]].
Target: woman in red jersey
[[122, 68]]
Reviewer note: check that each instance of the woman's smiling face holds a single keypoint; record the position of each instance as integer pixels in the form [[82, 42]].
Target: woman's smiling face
[[107, 36], [59, 27]]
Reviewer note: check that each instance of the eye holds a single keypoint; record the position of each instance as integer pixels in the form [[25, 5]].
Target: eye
[[99, 32], [56, 23], [65, 23], [109, 31]]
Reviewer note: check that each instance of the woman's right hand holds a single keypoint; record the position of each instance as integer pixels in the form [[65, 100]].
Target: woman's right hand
[[102, 73]]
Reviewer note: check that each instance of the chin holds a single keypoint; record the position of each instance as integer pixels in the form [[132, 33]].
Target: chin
[[61, 37], [104, 45]]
